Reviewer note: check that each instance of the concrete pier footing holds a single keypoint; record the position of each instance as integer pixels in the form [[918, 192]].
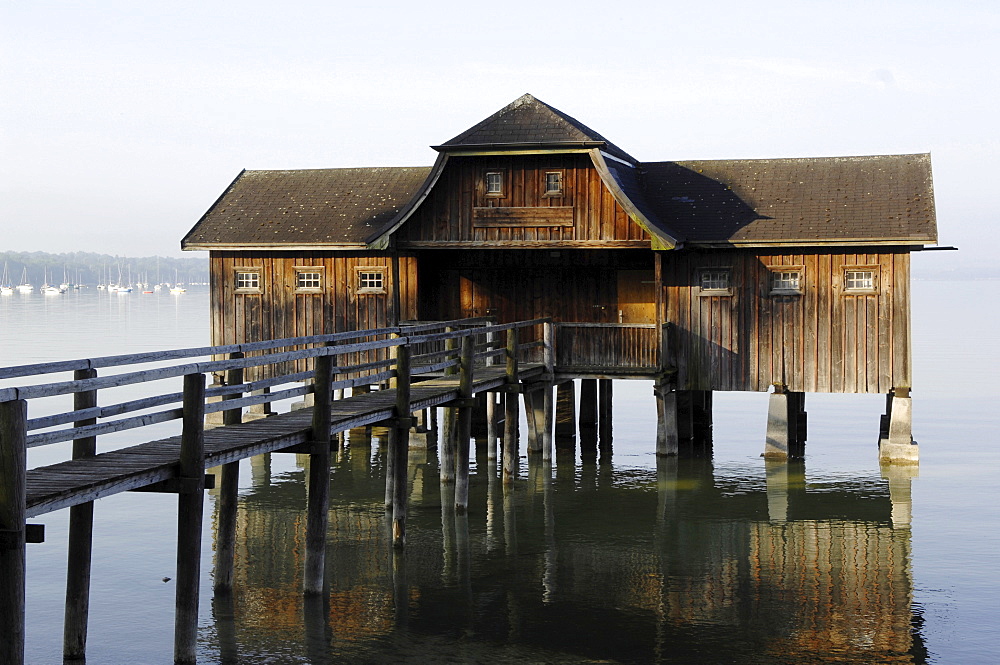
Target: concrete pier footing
[[786, 424], [896, 444]]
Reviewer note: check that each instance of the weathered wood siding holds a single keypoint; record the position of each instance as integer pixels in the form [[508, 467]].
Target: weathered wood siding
[[280, 310], [459, 212], [824, 340]]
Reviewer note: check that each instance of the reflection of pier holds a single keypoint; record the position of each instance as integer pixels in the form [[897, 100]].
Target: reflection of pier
[[703, 565]]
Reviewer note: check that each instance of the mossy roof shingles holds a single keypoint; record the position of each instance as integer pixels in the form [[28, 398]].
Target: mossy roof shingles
[[317, 207]]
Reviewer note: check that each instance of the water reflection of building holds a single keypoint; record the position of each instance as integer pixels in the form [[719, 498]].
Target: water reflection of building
[[759, 570]]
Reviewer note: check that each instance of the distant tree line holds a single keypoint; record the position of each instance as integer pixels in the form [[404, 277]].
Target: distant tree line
[[92, 268]]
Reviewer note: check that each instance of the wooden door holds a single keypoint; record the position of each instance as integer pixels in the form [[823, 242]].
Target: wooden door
[[636, 296]]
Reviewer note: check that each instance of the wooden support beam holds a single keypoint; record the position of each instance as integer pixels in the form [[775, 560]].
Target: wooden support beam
[[81, 536], [588, 403], [13, 466], [604, 417], [492, 421], [225, 535], [565, 430], [464, 430], [548, 418], [399, 446], [189, 521], [449, 438], [318, 489], [511, 416], [666, 419]]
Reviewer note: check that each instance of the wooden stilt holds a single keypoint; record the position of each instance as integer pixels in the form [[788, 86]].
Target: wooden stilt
[[492, 418], [510, 452], [534, 410], [81, 533], [666, 419], [566, 415], [399, 446], [225, 538], [190, 502], [548, 418], [588, 403], [464, 430], [13, 464], [604, 418], [449, 426], [318, 489]]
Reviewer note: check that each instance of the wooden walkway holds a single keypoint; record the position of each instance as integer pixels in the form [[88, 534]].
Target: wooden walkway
[[73, 482]]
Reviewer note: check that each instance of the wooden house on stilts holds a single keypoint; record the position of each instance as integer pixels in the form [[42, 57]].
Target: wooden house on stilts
[[782, 275]]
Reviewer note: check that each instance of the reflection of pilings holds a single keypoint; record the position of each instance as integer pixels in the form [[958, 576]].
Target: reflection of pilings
[[260, 470], [400, 588], [492, 481], [783, 476], [447, 533], [551, 557], [464, 557], [316, 619], [224, 615], [509, 523]]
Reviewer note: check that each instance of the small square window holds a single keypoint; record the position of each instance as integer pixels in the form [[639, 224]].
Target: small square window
[[310, 279], [859, 280], [553, 183], [494, 183], [786, 280], [248, 280], [371, 280], [715, 282]]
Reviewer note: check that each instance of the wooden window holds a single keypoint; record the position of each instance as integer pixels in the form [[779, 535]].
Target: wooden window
[[371, 280], [786, 280], [309, 279], [494, 183], [715, 281], [248, 280], [553, 183], [861, 279]]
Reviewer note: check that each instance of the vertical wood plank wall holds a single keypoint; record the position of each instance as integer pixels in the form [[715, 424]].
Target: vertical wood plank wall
[[824, 340], [447, 215]]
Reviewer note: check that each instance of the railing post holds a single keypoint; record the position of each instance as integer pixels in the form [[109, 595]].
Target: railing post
[[390, 460], [464, 426], [13, 498], [81, 534], [318, 490], [549, 349], [225, 539], [399, 445], [510, 460], [190, 503]]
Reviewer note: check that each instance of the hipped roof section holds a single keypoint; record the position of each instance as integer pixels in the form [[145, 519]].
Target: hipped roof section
[[880, 200]]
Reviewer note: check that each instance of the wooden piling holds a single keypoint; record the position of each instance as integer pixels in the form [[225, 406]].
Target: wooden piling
[[604, 417], [666, 419], [13, 465], [399, 445], [190, 502], [318, 489], [449, 425], [566, 415], [588, 403], [510, 453], [548, 418], [491, 426], [225, 538], [464, 430], [80, 541]]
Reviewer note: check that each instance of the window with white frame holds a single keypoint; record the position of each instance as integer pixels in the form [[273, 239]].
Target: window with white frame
[[494, 183], [371, 280], [553, 183], [308, 279], [860, 279], [715, 281], [786, 280], [248, 280]]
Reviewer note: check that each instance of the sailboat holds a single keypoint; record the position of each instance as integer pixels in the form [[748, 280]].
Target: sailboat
[[50, 290], [24, 286], [5, 288]]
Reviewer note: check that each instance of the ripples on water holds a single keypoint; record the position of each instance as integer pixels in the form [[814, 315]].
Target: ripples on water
[[627, 559]]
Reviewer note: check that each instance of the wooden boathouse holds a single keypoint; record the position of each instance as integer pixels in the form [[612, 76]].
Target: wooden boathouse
[[783, 275]]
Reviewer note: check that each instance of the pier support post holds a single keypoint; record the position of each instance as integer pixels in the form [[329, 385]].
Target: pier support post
[[548, 421], [225, 538], [464, 429], [604, 417], [492, 420], [318, 489], [449, 439], [896, 442], [511, 416], [566, 415], [666, 418], [81, 538], [190, 503], [399, 445], [13, 501], [786, 424]]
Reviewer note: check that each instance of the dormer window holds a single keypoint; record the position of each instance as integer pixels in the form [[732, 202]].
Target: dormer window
[[553, 183], [494, 183]]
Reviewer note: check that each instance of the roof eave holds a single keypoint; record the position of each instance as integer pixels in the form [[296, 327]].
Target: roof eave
[[276, 246]]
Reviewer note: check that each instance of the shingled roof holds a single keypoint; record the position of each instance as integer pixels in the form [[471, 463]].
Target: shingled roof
[[881, 199], [531, 122], [313, 207]]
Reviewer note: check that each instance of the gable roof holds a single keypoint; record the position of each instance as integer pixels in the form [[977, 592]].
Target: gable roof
[[885, 199], [313, 208], [531, 123]]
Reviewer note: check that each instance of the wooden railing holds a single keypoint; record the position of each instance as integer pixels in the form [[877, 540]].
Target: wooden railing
[[610, 347]]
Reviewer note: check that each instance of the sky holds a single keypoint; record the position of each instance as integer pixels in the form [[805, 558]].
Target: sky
[[122, 122]]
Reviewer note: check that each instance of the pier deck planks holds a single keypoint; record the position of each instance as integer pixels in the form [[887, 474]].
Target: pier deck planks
[[73, 482]]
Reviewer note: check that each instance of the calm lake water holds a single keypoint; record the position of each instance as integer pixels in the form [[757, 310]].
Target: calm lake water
[[624, 559]]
